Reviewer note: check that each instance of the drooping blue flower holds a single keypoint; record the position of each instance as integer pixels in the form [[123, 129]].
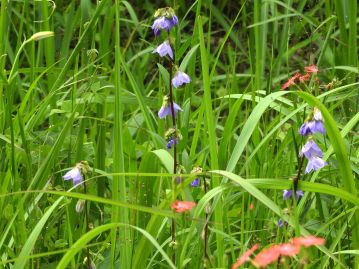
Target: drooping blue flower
[[281, 223], [173, 20], [196, 182], [74, 174], [314, 164], [164, 49], [288, 193], [166, 109], [171, 142], [163, 23], [180, 78], [312, 127], [310, 149], [159, 24], [317, 126], [304, 129]]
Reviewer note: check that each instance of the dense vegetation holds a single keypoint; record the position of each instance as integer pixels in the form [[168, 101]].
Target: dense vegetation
[[261, 158]]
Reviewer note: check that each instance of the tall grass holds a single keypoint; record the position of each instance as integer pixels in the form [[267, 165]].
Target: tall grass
[[92, 92]]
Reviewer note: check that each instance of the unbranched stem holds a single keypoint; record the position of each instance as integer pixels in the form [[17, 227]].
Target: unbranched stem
[[297, 177], [87, 227], [173, 226], [206, 225]]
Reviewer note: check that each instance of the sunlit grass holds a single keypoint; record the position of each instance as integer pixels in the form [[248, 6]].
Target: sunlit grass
[[92, 91]]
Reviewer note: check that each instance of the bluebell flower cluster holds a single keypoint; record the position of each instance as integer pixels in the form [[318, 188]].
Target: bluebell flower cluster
[[165, 20], [311, 150], [314, 125]]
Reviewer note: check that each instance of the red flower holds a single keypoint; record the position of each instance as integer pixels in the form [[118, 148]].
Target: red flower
[[244, 257], [308, 241], [267, 256], [287, 249], [304, 78], [182, 206], [291, 81], [311, 69], [251, 206]]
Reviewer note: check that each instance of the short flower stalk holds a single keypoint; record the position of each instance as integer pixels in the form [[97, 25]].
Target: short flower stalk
[[196, 183], [206, 225]]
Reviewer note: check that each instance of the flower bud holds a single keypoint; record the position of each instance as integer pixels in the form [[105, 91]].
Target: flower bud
[[173, 244], [92, 54], [41, 35], [208, 209], [80, 205], [317, 115], [84, 167]]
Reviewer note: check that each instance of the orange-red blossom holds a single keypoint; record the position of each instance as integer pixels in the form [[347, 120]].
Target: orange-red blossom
[[272, 254], [311, 69], [245, 257], [182, 206], [302, 78]]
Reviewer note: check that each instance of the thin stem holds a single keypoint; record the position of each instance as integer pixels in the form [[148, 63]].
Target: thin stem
[[173, 227], [206, 225], [87, 227], [14, 66], [297, 177], [278, 261]]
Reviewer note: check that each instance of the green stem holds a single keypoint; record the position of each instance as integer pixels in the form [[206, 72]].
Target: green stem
[[87, 226], [205, 255], [14, 66]]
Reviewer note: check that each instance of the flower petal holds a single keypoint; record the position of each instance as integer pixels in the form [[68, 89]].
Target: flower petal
[[245, 257], [182, 206], [310, 149], [196, 182], [267, 256], [180, 78], [164, 49], [287, 249], [308, 241], [314, 164]]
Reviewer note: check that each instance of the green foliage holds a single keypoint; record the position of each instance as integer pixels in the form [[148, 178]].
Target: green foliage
[[92, 91]]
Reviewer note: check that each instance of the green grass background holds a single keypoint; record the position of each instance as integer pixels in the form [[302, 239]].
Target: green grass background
[[92, 92]]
